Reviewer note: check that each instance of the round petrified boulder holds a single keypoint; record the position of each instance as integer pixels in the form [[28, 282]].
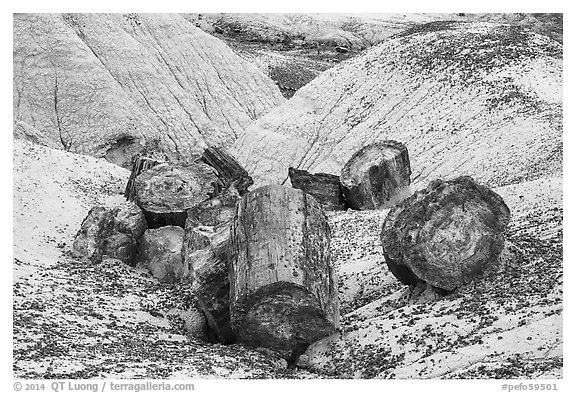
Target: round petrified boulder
[[376, 176], [166, 191], [446, 234], [160, 252]]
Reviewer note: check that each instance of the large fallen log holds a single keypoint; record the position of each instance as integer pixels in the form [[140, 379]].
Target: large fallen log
[[322, 186], [376, 176], [166, 191], [229, 169], [283, 289], [446, 234]]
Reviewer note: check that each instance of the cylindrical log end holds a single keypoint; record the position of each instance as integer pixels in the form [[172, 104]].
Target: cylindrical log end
[[284, 317]]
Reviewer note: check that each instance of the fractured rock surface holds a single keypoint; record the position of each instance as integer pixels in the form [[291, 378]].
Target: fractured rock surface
[[325, 187], [111, 232], [160, 251], [166, 191]]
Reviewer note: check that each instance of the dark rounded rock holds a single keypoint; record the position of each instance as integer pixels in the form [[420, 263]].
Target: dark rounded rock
[[120, 246], [446, 234]]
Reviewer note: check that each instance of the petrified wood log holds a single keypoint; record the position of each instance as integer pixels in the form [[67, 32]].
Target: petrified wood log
[[205, 254], [376, 176], [229, 169], [446, 234], [208, 273], [322, 186], [283, 289], [166, 191], [139, 165], [160, 251]]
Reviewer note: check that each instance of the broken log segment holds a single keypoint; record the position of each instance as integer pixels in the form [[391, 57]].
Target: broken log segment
[[139, 165], [324, 187], [209, 277], [376, 176], [166, 191], [446, 234], [229, 169], [205, 253], [283, 288]]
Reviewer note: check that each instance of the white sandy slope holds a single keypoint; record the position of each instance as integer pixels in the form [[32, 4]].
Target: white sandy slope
[[351, 30]]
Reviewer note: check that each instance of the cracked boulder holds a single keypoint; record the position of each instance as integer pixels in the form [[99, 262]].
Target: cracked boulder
[[160, 251], [445, 235], [205, 253], [110, 232], [166, 191]]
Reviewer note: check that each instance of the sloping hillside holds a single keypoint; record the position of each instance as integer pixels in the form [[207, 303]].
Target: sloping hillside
[[113, 85], [466, 98], [295, 48], [355, 31]]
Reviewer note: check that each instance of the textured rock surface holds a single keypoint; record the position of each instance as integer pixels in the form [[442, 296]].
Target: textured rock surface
[[467, 99], [446, 234], [283, 290], [205, 253], [376, 176], [160, 251], [209, 276], [139, 165], [324, 187], [166, 191], [229, 170], [204, 219], [507, 324], [111, 232], [114, 85]]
